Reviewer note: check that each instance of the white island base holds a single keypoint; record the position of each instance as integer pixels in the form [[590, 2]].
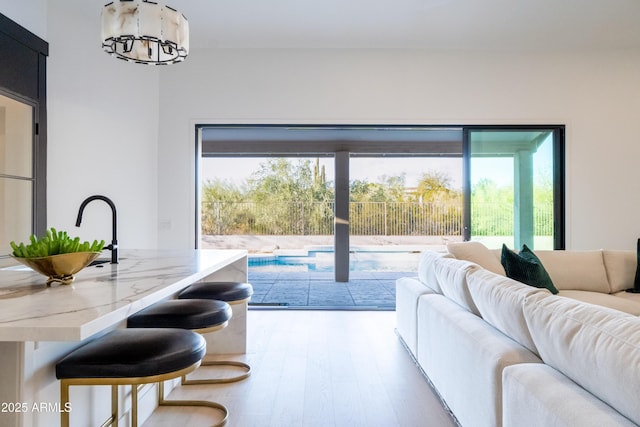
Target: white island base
[[40, 325]]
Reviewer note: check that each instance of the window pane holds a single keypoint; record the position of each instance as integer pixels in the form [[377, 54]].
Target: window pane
[[266, 203], [400, 206], [410, 200], [16, 138], [512, 200], [15, 212]]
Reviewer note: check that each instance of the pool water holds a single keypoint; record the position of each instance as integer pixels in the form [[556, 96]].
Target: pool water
[[323, 262]]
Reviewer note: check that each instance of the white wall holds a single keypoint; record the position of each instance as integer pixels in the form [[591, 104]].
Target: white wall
[[596, 95], [103, 129], [103, 125], [31, 14]]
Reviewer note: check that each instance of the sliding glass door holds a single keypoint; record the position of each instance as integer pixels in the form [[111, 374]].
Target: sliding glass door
[[515, 184], [387, 184]]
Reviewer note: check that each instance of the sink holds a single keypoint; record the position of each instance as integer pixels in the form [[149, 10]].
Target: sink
[[98, 262]]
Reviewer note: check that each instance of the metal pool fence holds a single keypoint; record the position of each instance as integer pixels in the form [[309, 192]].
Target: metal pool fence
[[365, 219]]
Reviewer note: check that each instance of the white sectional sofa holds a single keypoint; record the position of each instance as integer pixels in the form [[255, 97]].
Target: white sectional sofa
[[502, 353]]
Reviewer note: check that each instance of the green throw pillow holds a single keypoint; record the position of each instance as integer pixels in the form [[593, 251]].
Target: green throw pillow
[[526, 267]]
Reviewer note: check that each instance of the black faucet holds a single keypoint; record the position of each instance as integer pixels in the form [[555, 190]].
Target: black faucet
[[113, 247]]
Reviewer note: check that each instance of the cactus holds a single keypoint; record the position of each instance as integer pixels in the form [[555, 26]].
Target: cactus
[[54, 243]]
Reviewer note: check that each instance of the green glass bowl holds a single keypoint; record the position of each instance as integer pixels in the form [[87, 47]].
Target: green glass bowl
[[60, 268]]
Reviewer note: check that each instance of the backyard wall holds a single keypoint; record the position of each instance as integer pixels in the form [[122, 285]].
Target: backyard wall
[[595, 94]]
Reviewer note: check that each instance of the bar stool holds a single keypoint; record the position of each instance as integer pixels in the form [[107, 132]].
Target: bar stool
[[234, 293], [231, 292], [130, 357], [199, 315]]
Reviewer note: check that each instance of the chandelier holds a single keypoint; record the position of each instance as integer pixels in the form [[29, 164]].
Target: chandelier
[[144, 32]]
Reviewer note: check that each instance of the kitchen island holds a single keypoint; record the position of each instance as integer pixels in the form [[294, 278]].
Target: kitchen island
[[39, 325]]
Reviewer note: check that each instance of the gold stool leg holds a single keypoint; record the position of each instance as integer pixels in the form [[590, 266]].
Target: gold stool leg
[[134, 405], [115, 404], [237, 378], [203, 403], [64, 401]]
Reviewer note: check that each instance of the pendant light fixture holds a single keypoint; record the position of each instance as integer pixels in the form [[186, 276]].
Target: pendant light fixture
[[144, 32]]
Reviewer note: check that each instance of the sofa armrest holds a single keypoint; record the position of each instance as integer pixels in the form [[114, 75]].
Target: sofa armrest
[[408, 290], [464, 356], [536, 395]]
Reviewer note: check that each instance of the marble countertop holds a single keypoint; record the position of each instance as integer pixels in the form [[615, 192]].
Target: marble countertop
[[100, 296]]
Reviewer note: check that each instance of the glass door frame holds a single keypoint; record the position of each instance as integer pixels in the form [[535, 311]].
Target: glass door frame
[[26, 82], [559, 171], [34, 173], [37, 172]]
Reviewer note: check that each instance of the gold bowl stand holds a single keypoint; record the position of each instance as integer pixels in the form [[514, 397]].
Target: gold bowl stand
[[60, 268]]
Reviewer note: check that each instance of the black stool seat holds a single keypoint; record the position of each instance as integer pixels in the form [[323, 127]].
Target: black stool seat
[[183, 314], [125, 353], [223, 291]]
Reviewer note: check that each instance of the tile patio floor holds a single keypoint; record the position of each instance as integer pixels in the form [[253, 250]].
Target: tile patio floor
[[319, 290]]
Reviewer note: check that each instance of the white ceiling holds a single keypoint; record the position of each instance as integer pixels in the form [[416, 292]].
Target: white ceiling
[[432, 24], [491, 25]]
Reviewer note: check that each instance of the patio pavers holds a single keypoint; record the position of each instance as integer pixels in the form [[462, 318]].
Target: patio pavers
[[309, 290]]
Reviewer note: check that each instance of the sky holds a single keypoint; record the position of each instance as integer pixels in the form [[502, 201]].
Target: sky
[[362, 168], [499, 170]]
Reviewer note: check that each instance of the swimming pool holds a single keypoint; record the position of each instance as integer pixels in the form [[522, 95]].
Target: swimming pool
[[322, 261]]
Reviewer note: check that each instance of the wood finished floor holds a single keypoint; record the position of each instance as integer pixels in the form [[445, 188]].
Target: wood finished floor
[[318, 368]]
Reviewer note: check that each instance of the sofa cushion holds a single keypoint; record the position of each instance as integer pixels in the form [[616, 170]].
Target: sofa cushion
[[452, 277], [621, 269], [426, 272], [605, 300], [628, 296], [500, 301], [596, 347], [478, 253], [580, 270], [525, 267]]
